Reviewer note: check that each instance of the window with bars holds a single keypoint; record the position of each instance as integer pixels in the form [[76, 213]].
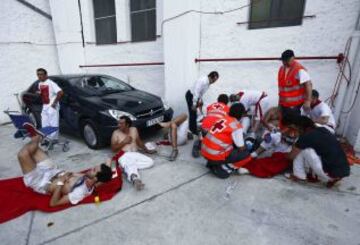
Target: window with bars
[[143, 20], [276, 13], [105, 21]]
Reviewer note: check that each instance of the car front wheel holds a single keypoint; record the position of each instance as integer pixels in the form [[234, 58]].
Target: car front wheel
[[91, 135]]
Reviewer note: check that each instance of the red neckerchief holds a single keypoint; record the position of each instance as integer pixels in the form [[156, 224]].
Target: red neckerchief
[[312, 106], [241, 93]]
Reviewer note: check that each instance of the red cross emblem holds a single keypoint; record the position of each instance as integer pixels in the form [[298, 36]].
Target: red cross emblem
[[217, 106], [218, 126]]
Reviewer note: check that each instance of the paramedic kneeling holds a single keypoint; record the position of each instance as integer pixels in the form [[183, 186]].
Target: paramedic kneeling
[[223, 146]]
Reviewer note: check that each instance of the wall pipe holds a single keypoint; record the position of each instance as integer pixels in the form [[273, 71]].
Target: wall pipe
[[125, 64], [339, 58]]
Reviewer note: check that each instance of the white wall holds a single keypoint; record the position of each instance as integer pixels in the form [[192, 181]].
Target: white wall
[[27, 43], [181, 46], [72, 54], [324, 35]]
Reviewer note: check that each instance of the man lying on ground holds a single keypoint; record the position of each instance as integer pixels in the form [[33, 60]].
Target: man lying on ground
[[126, 138], [41, 175], [178, 133], [256, 105], [320, 113], [317, 153], [223, 146]]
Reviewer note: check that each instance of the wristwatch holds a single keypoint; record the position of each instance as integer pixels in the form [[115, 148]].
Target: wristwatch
[[59, 183]]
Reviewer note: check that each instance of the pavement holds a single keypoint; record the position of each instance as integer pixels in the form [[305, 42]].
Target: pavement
[[182, 203]]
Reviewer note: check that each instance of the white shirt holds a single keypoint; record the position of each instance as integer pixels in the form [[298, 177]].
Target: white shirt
[[321, 110], [303, 76], [200, 88], [53, 90], [238, 137], [250, 98], [79, 193]]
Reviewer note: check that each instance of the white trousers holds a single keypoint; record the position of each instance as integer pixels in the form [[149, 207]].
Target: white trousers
[[307, 161], [182, 131], [131, 162], [50, 118]]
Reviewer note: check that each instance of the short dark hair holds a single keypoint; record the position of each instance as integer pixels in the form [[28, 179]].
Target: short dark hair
[[42, 70], [315, 93], [213, 74], [223, 98], [237, 110], [105, 173], [287, 54], [234, 98], [127, 119]]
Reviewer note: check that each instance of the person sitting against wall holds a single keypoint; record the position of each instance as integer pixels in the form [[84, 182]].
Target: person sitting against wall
[[320, 113], [317, 153], [126, 138]]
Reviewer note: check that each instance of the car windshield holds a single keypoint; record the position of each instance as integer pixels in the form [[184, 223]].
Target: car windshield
[[104, 84]]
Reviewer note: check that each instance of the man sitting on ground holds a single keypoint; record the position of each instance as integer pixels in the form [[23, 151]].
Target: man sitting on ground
[[317, 153], [320, 113], [178, 133], [126, 138], [223, 146], [41, 175]]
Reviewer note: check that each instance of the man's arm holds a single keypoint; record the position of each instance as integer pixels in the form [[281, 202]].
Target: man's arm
[[294, 152], [321, 120], [238, 138], [141, 144], [306, 80], [57, 199], [116, 145], [57, 99]]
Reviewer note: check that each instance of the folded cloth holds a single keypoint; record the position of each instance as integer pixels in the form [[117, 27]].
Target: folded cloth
[[17, 199], [268, 167]]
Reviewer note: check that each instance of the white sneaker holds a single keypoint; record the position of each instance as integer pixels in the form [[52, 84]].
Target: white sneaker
[[243, 171]]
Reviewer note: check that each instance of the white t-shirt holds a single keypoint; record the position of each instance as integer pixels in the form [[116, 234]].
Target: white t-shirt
[[52, 88], [303, 76], [321, 110], [250, 98], [79, 193], [238, 137], [200, 88]]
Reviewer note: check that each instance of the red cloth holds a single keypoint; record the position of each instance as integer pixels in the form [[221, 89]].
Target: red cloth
[[269, 166], [17, 199]]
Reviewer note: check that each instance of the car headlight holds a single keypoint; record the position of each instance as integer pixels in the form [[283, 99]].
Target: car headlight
[[117, 114], [166, 105]]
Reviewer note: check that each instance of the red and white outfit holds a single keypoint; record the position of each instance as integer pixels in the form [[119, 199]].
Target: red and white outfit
[[256, 103], [214, 112], [49, 115], [321, 109], [291, 85]]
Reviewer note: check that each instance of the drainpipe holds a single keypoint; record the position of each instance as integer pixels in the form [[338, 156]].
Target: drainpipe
[[34, 8]]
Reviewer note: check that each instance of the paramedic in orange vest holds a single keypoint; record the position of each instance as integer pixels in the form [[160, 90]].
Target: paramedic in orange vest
[[294, 84], [223, 146], [215, 111]]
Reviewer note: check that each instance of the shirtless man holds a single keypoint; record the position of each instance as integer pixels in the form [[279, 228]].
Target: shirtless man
[[41, 175], [271, 119], [126, 138]]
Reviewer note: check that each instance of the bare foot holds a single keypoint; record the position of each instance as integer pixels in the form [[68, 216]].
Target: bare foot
[[138, 184]]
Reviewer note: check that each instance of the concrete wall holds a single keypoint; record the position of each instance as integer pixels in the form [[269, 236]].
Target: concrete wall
[[27, 43], [72, 54], [324, 35]]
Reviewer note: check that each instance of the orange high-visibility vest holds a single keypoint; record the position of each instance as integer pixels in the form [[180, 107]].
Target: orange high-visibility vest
[[218, 142], [291, 92], [214, 111]]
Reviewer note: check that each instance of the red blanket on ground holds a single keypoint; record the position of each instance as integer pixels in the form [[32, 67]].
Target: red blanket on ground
[[17, 199], [269, 166]]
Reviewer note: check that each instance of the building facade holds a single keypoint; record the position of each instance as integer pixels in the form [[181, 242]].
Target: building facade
[[167, 36]]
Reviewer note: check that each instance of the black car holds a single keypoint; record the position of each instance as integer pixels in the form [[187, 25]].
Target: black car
[[92, 105]]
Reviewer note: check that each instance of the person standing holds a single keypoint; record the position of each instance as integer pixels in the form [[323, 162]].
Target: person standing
[[51, 94], [294, 85], [194, 97]]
